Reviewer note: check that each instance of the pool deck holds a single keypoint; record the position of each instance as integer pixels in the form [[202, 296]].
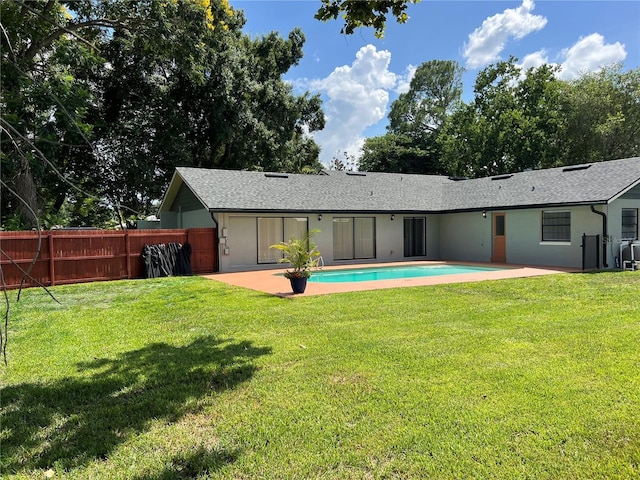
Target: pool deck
[[271, 281]]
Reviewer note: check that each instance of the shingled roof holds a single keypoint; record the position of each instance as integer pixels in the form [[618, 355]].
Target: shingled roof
[[587, 184], [370, 192]]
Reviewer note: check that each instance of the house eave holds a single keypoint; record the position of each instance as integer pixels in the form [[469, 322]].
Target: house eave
[[174, 187], [324, 211], [315, 211], [623, 191], [495, 208]]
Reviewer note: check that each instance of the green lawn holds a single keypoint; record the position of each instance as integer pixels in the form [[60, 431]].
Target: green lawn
[[189, 378]]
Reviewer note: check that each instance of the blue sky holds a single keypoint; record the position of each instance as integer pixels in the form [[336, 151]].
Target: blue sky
[[359, 75]]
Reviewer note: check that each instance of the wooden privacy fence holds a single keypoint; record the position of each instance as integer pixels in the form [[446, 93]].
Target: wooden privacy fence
[[75, 256]]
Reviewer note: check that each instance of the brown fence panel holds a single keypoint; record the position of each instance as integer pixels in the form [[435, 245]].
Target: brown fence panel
[[87, 256], [17, 250], [203, 256], [73, 256]]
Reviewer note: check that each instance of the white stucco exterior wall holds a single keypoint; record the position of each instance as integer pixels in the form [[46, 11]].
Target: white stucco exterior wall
[[524, 237], [465, 237], [468, 236], [454, 236], [238, 232]]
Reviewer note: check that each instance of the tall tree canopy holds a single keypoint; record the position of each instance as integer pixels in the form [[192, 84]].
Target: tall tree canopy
[[517, 120], [529, 120], [514, 123], [102, 99], [415, 119], [603, 115], [434, 92]]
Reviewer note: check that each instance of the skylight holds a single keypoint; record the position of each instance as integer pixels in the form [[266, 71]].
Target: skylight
[[575, 167]]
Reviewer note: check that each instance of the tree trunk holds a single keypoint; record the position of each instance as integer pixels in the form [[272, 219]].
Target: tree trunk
[[25, 188]]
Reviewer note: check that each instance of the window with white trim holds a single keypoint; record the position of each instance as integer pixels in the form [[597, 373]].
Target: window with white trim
[[556, 226]]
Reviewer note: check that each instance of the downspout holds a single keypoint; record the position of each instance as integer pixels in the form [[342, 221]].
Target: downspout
[[604, 235], [217, 264]]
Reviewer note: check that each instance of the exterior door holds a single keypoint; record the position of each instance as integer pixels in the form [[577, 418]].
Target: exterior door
[[499, 244]]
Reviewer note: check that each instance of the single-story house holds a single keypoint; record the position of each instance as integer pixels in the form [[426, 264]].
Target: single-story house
[[535, 217]]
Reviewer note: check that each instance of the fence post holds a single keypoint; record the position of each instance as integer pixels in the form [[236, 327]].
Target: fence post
[[52, 269], [127, 248]]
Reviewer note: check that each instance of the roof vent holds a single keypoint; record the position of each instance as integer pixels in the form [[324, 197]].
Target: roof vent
[[575, 167], [502, 177], [356, 174], [458, 179], [276, 175]]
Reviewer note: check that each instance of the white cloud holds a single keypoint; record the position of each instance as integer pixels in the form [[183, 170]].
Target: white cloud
[[404, 80], [487, 42], [534, 60], [358, 95], [590, 54]]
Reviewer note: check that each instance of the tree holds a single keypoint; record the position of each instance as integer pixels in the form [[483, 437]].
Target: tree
[[138, 88], [348, 164], [603, 115], [434, 92], [223, 106], [47, 57], [411, 142], [396, 153], [515, 122], [357, 13], [531, 120]]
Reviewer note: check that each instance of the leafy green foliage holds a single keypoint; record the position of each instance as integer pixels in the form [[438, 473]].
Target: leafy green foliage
[[517, 120], [104, 99], [532, 120], [398, 153], [357, 14], [415, 120], [603, 115], [300, 253], [46, 86], [434, 92], [514, 123]]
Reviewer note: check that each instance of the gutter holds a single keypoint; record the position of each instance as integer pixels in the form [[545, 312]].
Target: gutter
[[604, 235], [217, 264]]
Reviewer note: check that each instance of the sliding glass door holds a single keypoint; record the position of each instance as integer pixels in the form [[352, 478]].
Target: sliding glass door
[[272, 230], [415, 236], [354, 238]]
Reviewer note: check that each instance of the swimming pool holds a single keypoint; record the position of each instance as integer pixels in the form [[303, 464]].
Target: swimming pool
[[393, 273]]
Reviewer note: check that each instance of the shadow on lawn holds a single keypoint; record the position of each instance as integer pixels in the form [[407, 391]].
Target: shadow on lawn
[[201, 462], [73, 421]]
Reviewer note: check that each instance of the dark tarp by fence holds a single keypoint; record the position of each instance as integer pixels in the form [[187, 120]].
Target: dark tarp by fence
[[162, 260]]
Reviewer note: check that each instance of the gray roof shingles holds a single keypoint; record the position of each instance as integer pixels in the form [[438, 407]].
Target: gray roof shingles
[[229, 190]]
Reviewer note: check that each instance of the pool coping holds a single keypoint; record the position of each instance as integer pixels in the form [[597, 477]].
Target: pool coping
[[271, 281]]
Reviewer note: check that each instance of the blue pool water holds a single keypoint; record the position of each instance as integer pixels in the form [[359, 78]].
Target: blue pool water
[[393, 273]]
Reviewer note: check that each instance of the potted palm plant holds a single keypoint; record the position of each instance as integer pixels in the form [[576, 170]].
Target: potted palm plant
[[302, 255]]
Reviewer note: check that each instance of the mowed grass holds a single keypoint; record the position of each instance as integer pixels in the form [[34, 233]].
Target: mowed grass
[[190, 378]]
